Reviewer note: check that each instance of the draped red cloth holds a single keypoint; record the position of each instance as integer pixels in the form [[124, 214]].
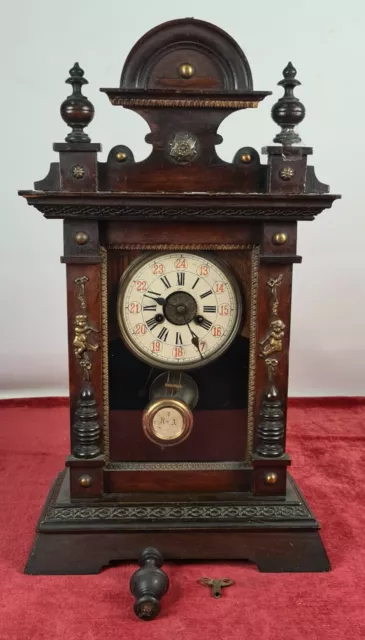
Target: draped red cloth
[[327, 443]]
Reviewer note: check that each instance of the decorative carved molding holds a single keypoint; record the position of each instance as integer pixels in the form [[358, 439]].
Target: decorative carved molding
[[82, 330], [177, 466], [113, 212], [128, 513]]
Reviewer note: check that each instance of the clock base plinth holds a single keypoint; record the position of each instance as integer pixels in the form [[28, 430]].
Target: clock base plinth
[[277, 534]]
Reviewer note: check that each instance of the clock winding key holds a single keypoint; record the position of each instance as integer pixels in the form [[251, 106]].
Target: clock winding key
[[216, 584]]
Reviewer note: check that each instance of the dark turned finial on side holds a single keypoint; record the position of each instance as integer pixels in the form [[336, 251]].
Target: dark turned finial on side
[[77, 111], [288, 111], [148, 584], [86, 427]]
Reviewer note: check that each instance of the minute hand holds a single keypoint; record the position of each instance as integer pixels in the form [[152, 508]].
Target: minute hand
[[195, 341]]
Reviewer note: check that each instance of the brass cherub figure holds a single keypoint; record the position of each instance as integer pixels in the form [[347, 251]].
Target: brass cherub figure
[[82, 330], [274, 340]]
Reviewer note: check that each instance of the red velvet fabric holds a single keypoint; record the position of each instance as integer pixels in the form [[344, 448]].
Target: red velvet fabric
[[327, 446]]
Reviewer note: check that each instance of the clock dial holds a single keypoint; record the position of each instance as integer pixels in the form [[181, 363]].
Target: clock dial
[[178, 310]]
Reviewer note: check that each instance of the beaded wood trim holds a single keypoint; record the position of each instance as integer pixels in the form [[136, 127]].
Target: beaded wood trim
[[104, 350], [255, 266], [210, 104], [177, 247]]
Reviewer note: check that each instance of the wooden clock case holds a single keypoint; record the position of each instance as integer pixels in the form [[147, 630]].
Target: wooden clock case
[[225, 493]]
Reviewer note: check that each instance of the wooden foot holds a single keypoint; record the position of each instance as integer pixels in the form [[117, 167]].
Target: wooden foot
[[148, 584]]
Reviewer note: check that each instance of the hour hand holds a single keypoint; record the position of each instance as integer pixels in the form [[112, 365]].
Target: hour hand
[[159, 300]]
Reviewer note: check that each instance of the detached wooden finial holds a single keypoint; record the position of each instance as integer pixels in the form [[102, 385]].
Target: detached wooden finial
[[288, 111], [77, 111]]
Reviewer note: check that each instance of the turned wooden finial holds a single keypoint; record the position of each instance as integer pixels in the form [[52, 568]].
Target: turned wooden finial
[[148, 584], [288, 111], [77, 111]]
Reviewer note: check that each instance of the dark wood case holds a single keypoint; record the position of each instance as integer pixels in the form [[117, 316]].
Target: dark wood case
[[224, 493]]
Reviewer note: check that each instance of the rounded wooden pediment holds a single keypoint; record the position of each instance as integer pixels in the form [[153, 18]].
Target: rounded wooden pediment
[[187, 55]]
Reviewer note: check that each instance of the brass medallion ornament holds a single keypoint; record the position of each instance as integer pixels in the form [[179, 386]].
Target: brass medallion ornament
[[78, 172], [287, 173], [183, 148]]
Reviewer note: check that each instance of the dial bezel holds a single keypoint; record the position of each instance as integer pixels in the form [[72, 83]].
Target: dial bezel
[[165, 403], [151, 255]]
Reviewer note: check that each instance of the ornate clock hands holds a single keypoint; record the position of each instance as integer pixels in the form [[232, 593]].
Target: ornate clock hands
[[161, 301], [195, 340]]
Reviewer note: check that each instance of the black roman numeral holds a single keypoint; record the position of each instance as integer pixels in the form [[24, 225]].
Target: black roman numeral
[[178, 339], [150, 307], [166, 282], [180, 278], [154, 293], [195, 283], [163, 334], [209, 309], [206, 294], [151, 323], [206, 324]]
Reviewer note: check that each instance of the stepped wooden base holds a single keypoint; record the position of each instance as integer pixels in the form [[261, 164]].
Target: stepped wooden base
[[277, 534]]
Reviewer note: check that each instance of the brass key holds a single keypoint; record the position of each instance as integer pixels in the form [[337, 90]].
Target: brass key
[[216, 584]]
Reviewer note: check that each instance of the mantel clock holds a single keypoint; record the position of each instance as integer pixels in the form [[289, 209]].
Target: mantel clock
[[179, 275]]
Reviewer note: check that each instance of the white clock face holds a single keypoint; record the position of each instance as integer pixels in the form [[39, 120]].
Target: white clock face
[[178, 310]]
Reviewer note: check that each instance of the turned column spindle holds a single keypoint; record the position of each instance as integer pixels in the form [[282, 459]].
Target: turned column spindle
[[86, 428]]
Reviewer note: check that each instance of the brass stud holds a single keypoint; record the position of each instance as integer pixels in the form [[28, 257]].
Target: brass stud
[[271, 478], [286, 173], [279, 238], [81, 237], [186, 70], [121, 156], [85, 481], [246, 158]]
